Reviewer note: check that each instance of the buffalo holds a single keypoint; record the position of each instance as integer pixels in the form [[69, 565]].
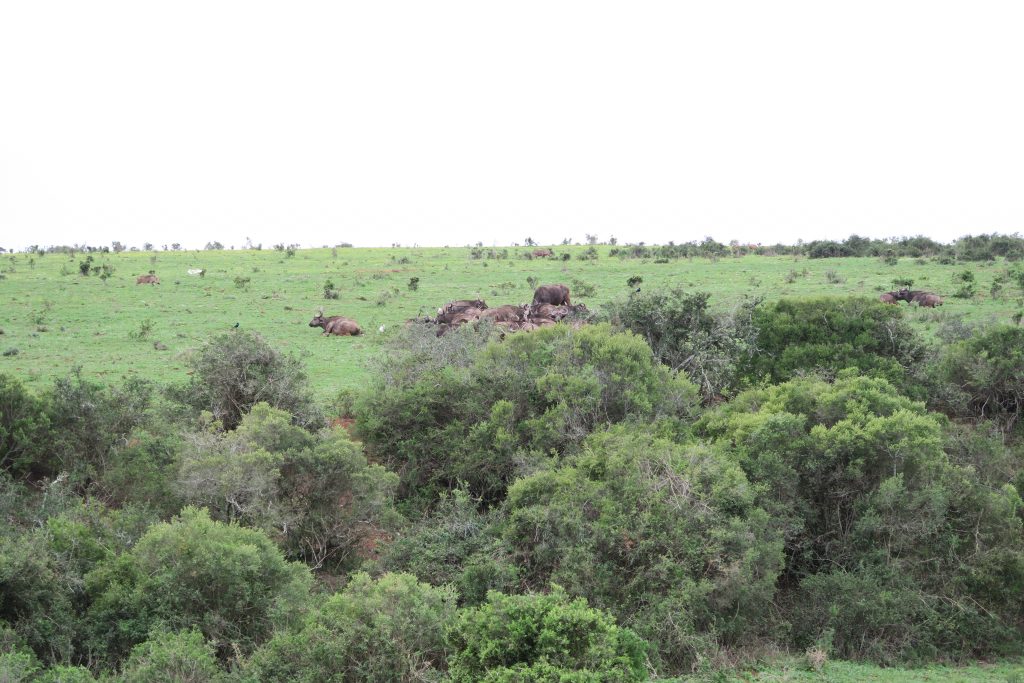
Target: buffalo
[[542, 253], [453, 308], [336, 325], [147, 280], [556, 295], [895, 297], [506, 314], [926, 299]]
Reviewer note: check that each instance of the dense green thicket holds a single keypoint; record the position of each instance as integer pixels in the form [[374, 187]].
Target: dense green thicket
[[552, 506], [827, 334], [893, 550], [684, 334], [512, 407], [667, 537]]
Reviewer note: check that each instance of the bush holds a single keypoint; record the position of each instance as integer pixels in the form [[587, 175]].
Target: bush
[[685, 335], [455, 545], [828, 334], [88, 420], [23, 427], [666, 537], [234, 371], [229, 582], [274, 476], [538, 638], [507, 406], [983, 376], [183, 657], [35, 598], [889, 543], [391, 629]]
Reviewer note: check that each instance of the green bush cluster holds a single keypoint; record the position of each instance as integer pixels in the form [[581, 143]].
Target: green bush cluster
[[552, 506]]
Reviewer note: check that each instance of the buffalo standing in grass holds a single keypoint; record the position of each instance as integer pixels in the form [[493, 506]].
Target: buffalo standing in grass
[[336, 324], [925, 299], [895, 297], [556, 295]]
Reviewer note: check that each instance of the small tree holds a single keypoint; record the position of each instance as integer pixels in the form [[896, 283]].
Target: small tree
[[235, 371]]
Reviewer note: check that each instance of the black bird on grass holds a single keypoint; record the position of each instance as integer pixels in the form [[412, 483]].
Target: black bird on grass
[[234, 326]]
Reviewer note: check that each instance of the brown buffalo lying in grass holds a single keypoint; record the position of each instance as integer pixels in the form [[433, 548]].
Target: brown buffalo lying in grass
[[337, 325]]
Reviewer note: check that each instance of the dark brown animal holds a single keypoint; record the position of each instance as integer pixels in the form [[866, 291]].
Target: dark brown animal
[[556, 295], [147, 280], [466, 316], [336, 324], [542, 253], [453, 308], [926, 299], [506, 314], [548, 311], [895, 297]]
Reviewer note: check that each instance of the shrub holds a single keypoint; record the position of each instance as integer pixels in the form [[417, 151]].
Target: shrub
[[967, 284], [983, 376], [582, 289], [183, 657], [390, 629], [23, 426], [685, 335], [272, 475], [455, 545], [501, 409], [666, 537], [34, 597], [831, 333], [536, 638], [889, 543], [234, 371], [87, 420], [229, 582]]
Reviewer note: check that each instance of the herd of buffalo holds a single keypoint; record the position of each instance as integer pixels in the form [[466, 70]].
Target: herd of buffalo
[[551, 304], [926, 299]]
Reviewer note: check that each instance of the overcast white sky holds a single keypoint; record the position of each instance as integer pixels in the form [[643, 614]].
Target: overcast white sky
[[452, 122]]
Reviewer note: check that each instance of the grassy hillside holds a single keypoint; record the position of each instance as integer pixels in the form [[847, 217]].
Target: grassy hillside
[[847, 672], [55, 318]]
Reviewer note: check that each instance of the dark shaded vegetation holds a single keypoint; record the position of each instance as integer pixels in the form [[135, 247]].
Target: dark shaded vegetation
[[644, 497]]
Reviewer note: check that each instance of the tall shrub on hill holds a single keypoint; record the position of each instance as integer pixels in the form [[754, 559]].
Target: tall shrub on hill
[[796, 336], [23, 426], [230, 583], [668, 538], [983, 376], [535, 638], [890, 547], [316, 495], [687, 336], [504, 408], [234, 371], [389, 629]]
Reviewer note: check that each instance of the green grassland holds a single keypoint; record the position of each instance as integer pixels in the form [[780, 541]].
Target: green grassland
[[848, 672], [58, 319]]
